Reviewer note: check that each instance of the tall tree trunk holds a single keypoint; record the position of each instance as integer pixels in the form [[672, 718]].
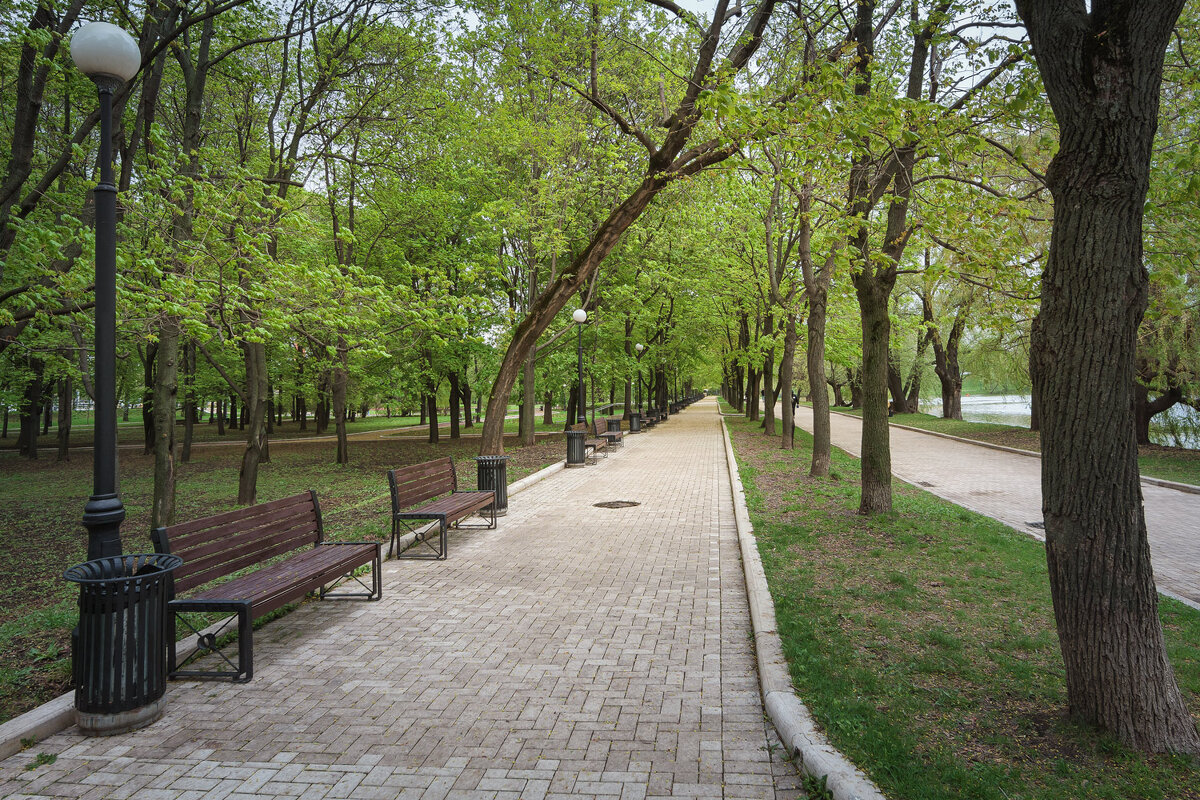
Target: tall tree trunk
[[341, 377], [30, 409], [254, 412], [66, 403], [190, 408], [528, 398], [768, 376], [819, 466], [1102, 70], [876, 449], [548, 409], [148, 398], [220, 417], [455, 405], [431, 404], [464, 388], [572, 405], [788, 441], [166, 387]]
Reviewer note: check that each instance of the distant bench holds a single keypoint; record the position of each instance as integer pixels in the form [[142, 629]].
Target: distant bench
[[598, 444], [420, 482], [221, 545]]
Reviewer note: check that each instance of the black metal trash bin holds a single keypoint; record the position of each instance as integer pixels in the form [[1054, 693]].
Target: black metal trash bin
[[635, 422], [614, 424], [119, 657], [491, 472], [576, 448]]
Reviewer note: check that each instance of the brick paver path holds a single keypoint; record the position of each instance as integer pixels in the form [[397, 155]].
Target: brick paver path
[[575, 651], [1007, 487]]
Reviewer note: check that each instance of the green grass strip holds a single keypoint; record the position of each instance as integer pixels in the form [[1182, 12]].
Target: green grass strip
[[924, 643]]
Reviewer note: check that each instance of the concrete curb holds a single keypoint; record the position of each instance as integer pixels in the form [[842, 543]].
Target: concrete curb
[[1163, 482], [796, 727]]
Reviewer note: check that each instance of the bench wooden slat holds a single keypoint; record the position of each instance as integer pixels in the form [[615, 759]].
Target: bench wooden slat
[[436, 482], [276, 520], [226, 562], [181, 529]]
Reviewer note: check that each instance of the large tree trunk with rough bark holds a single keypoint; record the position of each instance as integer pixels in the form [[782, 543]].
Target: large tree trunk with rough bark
[[1102, 70], [876, 449]]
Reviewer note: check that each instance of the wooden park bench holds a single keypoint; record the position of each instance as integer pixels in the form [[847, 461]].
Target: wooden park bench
[[597, 444], [614, 435], [426, 481], [283, 544]]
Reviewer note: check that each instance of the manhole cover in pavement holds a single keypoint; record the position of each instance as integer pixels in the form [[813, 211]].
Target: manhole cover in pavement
[[616, 504], [1041, 526], [926, 484]]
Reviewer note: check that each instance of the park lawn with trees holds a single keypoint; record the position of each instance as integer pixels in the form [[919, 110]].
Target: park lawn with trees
[[923, 641]]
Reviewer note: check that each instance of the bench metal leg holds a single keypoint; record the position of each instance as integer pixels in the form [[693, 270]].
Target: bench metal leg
[[207, 643]]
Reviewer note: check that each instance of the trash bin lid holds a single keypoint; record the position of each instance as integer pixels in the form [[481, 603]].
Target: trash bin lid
[[122, 567]]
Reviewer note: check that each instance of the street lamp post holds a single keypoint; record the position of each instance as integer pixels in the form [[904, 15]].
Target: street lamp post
[[580, 317], [639, 347], [110, 57]]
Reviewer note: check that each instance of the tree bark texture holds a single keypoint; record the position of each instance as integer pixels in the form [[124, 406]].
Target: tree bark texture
[[876, 450], [66, 400], [254, 413], [788, 433], [819, 467], [1102, 71], [166, 385], [768, 423]]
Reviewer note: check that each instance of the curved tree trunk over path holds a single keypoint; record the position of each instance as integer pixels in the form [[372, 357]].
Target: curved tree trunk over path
[[1102, 71]]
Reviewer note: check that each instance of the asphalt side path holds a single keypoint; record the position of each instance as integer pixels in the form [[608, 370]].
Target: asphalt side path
[[1008, 487]]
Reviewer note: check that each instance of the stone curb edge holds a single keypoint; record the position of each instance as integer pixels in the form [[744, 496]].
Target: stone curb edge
[[787, 712], [59, 714], [1164, 483]]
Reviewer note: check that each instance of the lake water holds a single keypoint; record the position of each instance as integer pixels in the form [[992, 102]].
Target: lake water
[[1178, 427]]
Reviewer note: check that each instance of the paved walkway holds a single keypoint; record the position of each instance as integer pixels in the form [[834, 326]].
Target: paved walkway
[[573, 652], [1007, 487]]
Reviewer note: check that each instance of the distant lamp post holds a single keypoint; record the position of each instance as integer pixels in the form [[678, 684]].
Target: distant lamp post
[[639, 347], [110, 57], [580, 317]]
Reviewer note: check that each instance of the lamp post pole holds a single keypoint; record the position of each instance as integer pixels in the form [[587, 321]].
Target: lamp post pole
[[580, 317], [639, 347], [110, 57]]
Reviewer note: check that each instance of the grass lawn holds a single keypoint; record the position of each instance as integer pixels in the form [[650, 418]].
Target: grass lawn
[[923, 641], [41, 503], [1168, 463]]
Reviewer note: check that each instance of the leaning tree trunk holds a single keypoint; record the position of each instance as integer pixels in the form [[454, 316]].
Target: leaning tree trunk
[[1102, 71], [166, 387], [819, 468]]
